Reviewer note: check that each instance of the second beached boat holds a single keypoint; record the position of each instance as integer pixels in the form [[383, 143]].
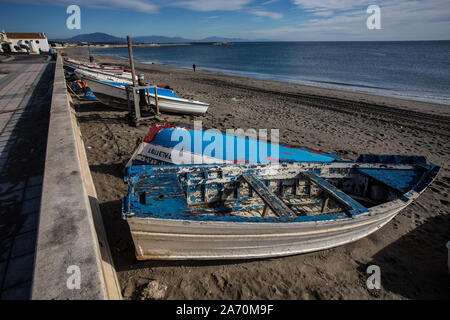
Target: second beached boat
[[71, 65], [167, 144], [114, 95]]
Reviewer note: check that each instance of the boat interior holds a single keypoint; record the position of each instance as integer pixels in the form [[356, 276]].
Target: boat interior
[[268, 192]]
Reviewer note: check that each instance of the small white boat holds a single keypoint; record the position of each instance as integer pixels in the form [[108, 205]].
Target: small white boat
[[102, 76], [73, 65], [114, 95]]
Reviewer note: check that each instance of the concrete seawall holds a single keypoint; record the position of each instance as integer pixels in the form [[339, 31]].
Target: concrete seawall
[[73, 260]]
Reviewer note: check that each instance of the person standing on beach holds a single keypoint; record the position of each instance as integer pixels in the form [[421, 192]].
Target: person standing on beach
[[193, 67]]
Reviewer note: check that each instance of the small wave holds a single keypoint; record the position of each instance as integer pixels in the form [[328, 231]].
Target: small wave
[[349, 84]]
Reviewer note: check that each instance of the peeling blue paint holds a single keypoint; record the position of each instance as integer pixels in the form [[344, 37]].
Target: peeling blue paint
[[162, 192]]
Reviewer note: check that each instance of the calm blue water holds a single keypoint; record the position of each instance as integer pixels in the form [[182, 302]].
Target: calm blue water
[[412, 70]]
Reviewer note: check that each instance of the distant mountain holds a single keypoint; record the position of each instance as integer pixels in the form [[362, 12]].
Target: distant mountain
[[163, 39], [221, 39], [93, 37], [99, 37], [159, 39]]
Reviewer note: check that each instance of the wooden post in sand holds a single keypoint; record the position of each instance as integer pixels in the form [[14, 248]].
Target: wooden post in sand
[[130, 53], [156, 100]]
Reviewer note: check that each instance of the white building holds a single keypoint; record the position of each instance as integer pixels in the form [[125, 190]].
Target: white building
[[23, 42]]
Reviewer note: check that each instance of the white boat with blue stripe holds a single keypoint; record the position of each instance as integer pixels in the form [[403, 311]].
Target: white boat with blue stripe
[[114, 95]]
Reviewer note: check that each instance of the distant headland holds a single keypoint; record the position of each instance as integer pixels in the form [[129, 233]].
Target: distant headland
[[104, 39]]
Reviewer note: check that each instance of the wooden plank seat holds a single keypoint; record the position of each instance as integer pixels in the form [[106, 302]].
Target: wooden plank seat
[[270, 199], [352, 205]]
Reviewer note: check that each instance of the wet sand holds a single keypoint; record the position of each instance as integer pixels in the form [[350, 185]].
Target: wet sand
[[410, 250]]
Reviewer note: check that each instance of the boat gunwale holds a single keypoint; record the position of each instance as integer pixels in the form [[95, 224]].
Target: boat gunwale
[[86, 65], [282, 229], [79, 72]]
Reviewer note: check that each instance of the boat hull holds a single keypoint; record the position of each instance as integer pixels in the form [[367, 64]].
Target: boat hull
[[193, 240], [116, 97]]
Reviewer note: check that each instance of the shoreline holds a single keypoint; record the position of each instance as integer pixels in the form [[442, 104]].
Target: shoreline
[[410, 249], [285, 87], [319, 84]]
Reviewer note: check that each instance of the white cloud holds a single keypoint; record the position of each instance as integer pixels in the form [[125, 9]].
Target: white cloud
[[153, 6], [262, 13], [331, 4], [131, 5], [324, 13], [211, 5], [149, 6], [346, 20], [269, 2]]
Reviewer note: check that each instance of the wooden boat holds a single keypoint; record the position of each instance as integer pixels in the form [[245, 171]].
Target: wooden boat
[[71, 65], [162, 140], [266, 210], [103, 76], [114, 95], [99, 71]]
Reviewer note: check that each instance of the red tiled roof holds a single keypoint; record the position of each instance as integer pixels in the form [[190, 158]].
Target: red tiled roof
[[24, 35]]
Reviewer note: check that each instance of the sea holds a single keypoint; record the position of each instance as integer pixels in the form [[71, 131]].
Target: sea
[[416, 70]]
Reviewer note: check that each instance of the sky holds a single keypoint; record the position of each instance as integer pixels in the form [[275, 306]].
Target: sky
[[287, 20]]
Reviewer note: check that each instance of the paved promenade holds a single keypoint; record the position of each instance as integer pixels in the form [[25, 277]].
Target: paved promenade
[[25, 98]]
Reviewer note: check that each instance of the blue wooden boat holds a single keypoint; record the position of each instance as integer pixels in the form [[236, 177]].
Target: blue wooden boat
[[242, 211], [163, 140]]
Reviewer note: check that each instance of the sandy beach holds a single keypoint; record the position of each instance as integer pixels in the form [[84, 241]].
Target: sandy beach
[[410, 250]]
